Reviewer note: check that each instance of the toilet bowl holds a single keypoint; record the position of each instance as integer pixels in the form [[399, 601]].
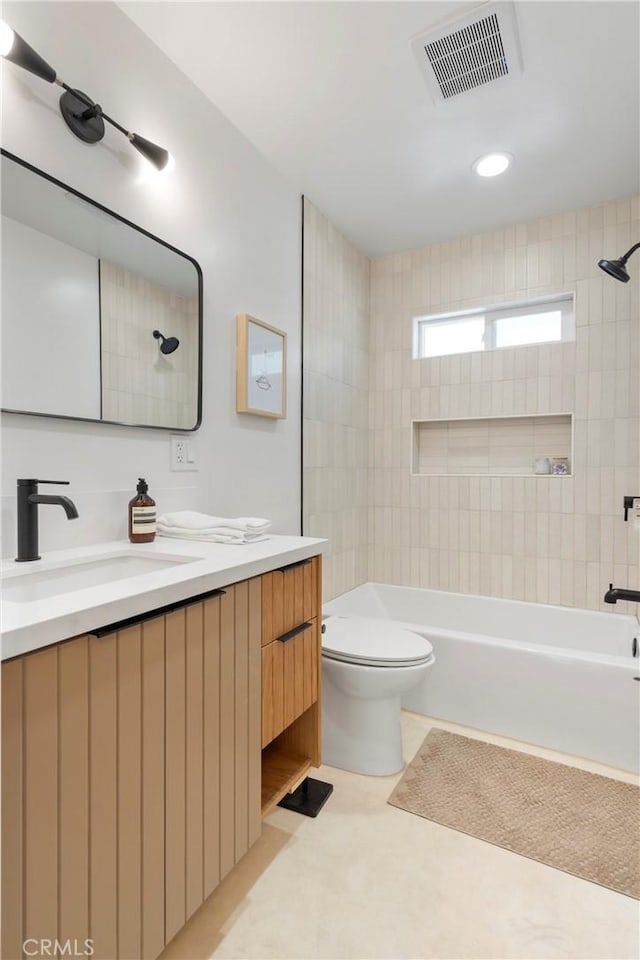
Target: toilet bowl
[[367, 667]]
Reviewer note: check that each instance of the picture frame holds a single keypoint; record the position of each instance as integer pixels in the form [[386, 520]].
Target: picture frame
[[261, 368]]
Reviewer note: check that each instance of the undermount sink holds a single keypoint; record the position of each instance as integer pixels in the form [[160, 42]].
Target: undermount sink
[[78, 575]]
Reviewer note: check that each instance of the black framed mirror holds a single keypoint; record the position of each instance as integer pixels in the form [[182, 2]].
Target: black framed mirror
[[101, 320]]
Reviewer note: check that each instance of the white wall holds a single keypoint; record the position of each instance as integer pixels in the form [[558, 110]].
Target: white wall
[[49, 301], [225, 206]]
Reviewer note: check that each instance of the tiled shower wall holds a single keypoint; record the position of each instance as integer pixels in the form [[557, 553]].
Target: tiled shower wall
[[335, 438], [544, 539], [139, 383]]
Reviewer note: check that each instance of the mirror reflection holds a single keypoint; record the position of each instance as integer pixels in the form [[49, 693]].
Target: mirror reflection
[[100, 321]]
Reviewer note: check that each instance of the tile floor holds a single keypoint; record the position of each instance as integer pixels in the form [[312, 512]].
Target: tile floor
[[366, 880]]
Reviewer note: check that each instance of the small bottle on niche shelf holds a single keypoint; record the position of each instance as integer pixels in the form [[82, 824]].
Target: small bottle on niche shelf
[[142, 515]]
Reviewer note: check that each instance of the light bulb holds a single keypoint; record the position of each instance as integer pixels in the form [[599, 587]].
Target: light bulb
[[7, 37], [148, 172]]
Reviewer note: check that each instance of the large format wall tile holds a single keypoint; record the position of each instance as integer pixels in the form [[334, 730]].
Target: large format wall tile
[[335, 398], [540, 539]]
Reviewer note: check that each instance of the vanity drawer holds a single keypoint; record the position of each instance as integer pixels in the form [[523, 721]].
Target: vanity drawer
[[290, 597], [289, 678]]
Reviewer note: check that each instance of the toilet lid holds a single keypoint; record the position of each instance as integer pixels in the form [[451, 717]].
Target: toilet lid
[[374, 642]]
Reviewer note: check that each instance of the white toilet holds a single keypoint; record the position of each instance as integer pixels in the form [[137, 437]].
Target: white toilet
[[367, 667]]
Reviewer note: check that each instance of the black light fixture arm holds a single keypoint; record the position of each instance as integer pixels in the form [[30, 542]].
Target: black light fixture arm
[[84, 118], [93, 109]]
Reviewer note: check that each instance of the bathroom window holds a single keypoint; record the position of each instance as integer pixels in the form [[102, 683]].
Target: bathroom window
[[545, 320]]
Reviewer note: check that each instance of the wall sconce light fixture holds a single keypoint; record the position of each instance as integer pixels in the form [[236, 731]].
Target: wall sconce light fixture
[[167, 344], [83, 117], [618, 268]]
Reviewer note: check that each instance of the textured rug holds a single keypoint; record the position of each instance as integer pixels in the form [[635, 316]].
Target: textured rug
[[583, 823]]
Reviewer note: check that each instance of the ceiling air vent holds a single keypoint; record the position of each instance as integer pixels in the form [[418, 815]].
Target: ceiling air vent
[[469, 52]]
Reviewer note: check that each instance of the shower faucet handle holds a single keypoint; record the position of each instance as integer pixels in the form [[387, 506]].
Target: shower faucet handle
[[628, 505]]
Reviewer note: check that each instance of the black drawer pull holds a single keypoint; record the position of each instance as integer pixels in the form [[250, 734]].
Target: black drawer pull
[[152, 614], [294, 633], [292, 566]]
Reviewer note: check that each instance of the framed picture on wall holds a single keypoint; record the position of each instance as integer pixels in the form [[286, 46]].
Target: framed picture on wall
[[261, 376]]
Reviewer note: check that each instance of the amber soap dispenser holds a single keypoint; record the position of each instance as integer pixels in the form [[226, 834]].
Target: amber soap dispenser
[[142, 515]]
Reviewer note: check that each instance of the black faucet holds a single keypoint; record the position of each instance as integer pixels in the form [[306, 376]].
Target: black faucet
[[28, 500], [614, 594]]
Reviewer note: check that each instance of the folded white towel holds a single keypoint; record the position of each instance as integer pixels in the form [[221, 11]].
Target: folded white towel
[[203, 534], [192, 520], [220, 531], [209, 535]]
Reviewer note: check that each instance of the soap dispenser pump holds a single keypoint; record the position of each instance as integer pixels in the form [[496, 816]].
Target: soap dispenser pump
[[142, 515]]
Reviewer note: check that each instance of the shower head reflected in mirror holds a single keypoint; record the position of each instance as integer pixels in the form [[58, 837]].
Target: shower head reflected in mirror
[[618, 268], [167, 344]]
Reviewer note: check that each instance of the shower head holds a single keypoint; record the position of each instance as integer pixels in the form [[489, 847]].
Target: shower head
[[168, 344], [615, 269], [618, 268]]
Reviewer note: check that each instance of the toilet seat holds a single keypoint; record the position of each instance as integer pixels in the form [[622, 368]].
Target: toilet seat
[[365, 641]]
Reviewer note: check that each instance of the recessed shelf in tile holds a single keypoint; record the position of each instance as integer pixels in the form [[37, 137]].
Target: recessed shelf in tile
[[493, 446]]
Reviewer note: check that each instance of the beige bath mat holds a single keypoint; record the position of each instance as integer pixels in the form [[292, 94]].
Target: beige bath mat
[[579, 822]]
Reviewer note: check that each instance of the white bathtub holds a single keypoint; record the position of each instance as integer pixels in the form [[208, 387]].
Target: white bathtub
[[554, 676]]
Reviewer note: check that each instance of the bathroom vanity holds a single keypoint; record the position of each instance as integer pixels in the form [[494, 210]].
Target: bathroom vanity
[[140, 753]]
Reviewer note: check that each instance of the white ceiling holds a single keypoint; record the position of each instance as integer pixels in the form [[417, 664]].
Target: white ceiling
[[331, 94]]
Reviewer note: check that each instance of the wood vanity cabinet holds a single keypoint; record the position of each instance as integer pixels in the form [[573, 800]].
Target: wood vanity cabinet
[[130, 775], [133, 774], [291, 677]]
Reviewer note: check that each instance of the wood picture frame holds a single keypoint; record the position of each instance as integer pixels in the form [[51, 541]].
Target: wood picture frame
[[261, 368]]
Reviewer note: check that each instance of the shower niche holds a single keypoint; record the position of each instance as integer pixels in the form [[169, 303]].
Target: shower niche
[[531, 446]]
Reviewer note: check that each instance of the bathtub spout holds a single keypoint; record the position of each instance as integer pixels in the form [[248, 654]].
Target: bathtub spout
[[614, 594]]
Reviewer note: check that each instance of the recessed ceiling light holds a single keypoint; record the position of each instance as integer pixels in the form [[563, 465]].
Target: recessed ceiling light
[[493, 164]]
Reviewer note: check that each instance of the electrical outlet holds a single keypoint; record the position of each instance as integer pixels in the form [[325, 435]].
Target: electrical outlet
[[180, 452], [183, 454]]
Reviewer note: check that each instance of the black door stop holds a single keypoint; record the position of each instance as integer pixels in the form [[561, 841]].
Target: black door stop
[[309, 798]]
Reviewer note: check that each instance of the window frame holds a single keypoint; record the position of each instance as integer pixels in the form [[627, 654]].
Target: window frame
[[494, 312]]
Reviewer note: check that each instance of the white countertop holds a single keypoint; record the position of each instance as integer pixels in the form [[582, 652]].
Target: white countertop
[[30, 625]]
